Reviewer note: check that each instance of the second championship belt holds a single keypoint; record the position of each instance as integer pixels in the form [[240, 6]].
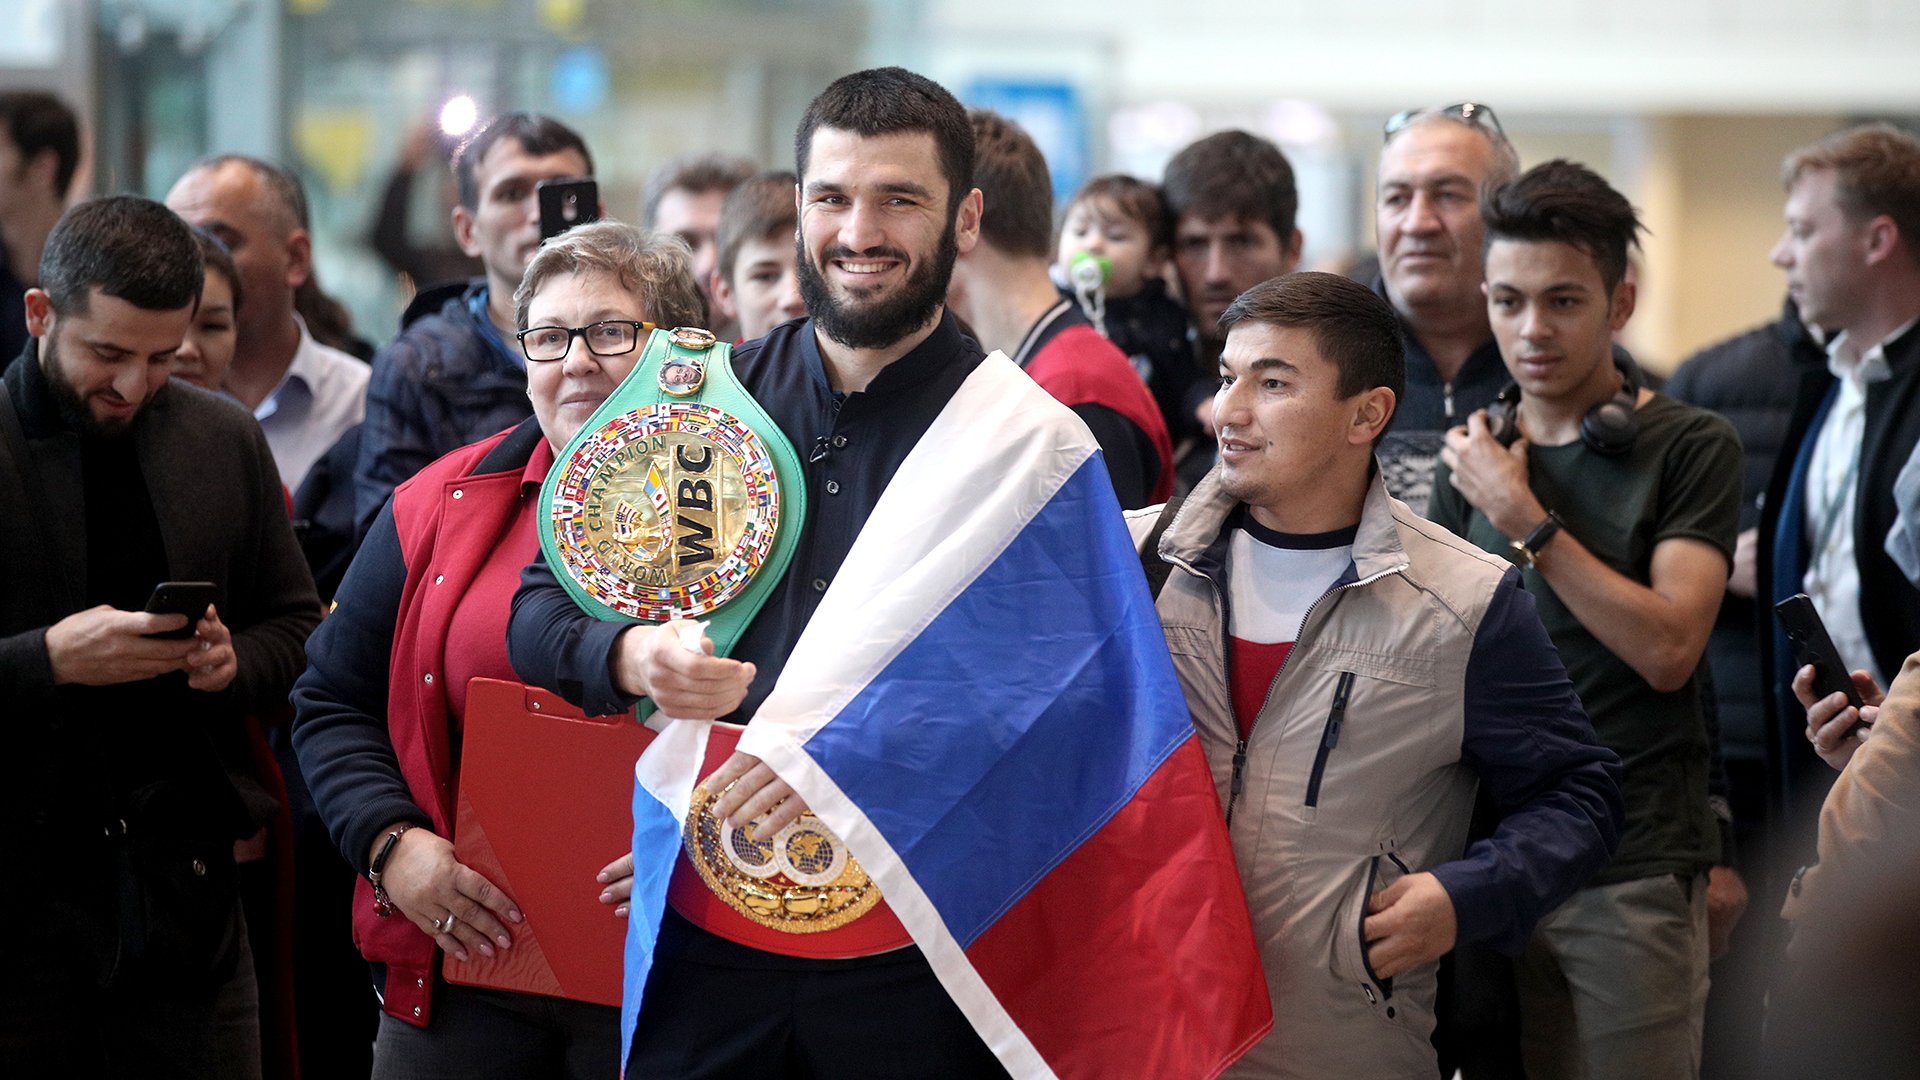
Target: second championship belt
[[679, 498]]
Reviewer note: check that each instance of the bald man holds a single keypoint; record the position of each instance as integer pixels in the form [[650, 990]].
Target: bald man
[[303, 393]]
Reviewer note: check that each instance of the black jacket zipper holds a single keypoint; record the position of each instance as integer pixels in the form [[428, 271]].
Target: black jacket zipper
[[1329, 736]]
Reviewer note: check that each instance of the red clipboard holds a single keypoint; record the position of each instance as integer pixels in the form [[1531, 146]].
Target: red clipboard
[[546, 800]]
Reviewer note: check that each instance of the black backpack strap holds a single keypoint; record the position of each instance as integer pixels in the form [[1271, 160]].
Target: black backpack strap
[[1157, 568]]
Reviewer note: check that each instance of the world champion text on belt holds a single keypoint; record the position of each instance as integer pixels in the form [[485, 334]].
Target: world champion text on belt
[[669, 503]]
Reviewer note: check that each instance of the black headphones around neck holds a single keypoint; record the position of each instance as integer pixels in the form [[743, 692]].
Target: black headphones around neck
[[1607, 429]]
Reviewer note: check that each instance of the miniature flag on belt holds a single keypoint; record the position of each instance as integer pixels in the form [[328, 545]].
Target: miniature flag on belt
[[983, 708]]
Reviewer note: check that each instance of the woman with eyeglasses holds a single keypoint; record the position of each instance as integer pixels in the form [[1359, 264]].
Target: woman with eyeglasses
[[423, 610]]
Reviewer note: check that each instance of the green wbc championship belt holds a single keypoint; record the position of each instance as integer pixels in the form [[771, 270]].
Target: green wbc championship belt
[[679, 498]]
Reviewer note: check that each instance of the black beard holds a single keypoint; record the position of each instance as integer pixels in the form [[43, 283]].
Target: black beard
[[69, 405], [879, 323]]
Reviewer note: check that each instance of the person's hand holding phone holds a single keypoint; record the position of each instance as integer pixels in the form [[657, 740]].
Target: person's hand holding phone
[[104, 646], [1834, 726]]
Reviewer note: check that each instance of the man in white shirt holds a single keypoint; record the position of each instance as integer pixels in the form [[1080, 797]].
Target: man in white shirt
[[303, 393], [1851, 252]]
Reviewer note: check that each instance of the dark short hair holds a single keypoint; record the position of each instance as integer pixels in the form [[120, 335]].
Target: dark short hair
[[537, 135], [218, 259], [1232, 174], [128, 247], [760, 209], [277, 179], [1351, 325], [1135, 198], [1564, 201], [698, 174], [36, 122], [887, 101], [1012, 176], [1876, 170]]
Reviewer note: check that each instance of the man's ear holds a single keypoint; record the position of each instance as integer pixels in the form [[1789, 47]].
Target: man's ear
[[966, 226], [463, 232], [40, 316], [1296, 244], [721, 290], [1883, 239], [1372, 412], [299, 258], [1625, 296]]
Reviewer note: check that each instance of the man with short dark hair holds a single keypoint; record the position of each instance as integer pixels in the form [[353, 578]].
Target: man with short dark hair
[[756, 279], [1004, 292], [1851, 253], [896, 412], [38, 156], [684, 197], [133, 957], [1354, 672], [885, 160], [1427, 220], [1233, 202], [1621, 506], [304, 394], [451, 377]]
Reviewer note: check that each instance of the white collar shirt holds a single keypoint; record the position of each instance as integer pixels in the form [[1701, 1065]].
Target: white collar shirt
[[323, 393], [1832, 579]]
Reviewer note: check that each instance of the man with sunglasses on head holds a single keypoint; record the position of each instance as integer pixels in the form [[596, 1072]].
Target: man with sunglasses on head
[[1426, 219]]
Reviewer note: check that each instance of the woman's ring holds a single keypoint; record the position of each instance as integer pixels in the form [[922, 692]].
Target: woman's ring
[[445, 925]]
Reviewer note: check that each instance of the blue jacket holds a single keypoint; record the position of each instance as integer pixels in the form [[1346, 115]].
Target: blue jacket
[[446, 381]]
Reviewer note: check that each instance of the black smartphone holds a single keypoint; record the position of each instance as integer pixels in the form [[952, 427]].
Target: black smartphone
[[189, 598], [566, 203], [1811, 645]]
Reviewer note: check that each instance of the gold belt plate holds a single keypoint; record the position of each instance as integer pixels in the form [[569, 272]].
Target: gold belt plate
[[801, 880], [667, 511]]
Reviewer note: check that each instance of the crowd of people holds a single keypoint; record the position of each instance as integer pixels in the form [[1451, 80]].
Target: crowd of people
[[1472, 615]]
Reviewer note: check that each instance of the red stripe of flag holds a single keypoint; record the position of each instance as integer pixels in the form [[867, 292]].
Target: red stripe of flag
[[1136, 955]]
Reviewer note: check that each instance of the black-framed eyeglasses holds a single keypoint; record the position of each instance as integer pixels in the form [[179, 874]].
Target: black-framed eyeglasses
[[610, 337], [1470, 113]]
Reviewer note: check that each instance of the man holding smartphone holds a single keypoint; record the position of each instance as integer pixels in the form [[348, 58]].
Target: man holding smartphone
[[119, 814], [453, 376]]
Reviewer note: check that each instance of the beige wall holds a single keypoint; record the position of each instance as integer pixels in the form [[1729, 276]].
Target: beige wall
[[1712, 200]]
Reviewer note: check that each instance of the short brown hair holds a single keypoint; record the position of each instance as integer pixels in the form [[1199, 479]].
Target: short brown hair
[[760, 209], [1134, 198], [1352, 326], [1232, 174], [654, 266], [1876, 171], [698, 174], [1015, 188]]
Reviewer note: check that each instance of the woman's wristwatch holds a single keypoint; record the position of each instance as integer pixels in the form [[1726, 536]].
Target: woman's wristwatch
[[382, 906]]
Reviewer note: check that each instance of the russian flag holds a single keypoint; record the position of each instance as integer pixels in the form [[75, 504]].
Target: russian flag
[[984, 709]]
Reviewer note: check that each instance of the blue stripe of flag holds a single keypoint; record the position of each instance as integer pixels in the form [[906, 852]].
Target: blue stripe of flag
[[988, 750]]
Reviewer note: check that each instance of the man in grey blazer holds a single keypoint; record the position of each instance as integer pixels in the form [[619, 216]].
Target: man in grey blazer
[[126, 783]]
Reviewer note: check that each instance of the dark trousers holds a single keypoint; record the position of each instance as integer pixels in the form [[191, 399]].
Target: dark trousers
[[477, 1034], [52, 1024], [881, 1017]]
